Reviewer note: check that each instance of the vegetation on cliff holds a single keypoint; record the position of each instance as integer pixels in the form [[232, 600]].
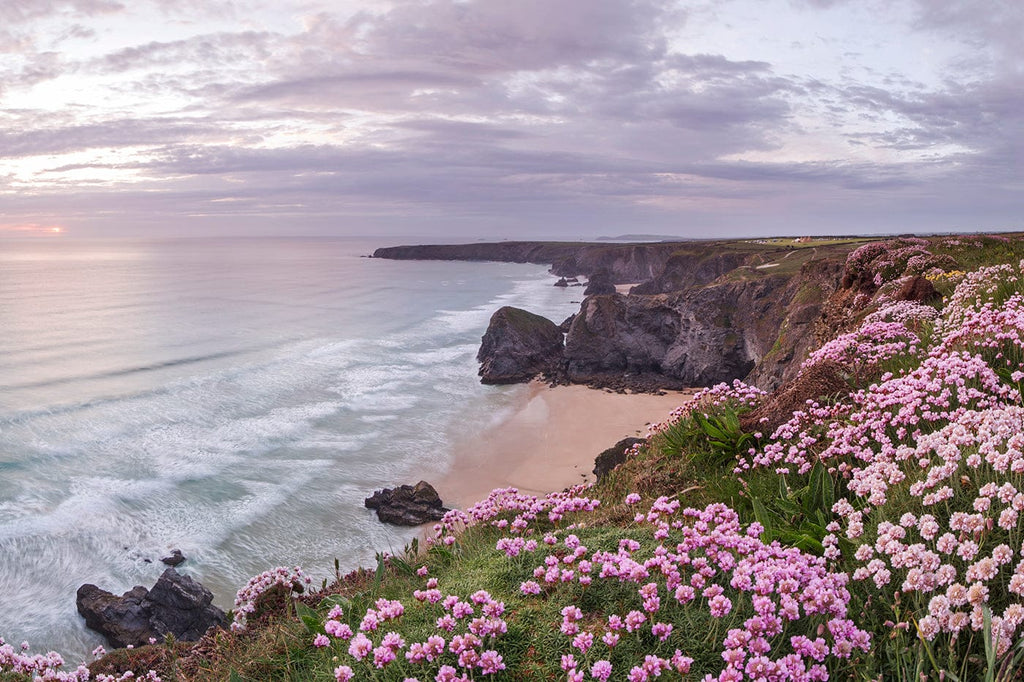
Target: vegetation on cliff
[[873, 531]]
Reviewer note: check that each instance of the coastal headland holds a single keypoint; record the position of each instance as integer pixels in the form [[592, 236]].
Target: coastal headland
[[697, 313]]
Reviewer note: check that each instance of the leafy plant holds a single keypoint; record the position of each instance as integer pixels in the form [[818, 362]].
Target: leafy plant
[[798, 517]]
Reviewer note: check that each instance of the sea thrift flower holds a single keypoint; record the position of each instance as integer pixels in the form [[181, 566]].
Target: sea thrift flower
[[601, 670], [360, 647], [490, 662]]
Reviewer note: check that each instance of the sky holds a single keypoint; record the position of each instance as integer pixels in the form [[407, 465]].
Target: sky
[[510, 119]]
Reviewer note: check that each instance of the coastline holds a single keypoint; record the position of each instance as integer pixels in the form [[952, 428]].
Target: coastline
[[550, 440]]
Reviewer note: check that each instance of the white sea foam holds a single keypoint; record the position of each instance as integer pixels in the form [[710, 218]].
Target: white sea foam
[[239, 414]]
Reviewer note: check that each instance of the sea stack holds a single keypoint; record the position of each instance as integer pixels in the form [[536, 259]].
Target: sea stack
[[518, 346]]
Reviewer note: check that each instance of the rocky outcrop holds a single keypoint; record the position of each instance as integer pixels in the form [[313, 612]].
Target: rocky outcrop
[[606, 462], [518, 346], [918, 289], [600, 284], [177, 605], [175, 558], [407, 505], [615, 335]]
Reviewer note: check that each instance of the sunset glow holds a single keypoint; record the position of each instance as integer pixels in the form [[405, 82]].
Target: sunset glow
[[526, 119]]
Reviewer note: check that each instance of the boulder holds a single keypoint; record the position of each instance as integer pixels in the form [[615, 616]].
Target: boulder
[[518, 346], [175, 558], [613, 457], [562, 282], [918, 289], [407, 505], [177, 605]]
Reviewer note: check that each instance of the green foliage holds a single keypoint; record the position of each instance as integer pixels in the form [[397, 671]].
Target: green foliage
[[309, 618], [798, 516], [712, 439]]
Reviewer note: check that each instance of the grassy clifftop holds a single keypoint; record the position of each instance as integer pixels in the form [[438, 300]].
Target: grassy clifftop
[[862, 522]]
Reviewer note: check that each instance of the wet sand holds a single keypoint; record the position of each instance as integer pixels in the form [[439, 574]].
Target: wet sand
[[550, 440]]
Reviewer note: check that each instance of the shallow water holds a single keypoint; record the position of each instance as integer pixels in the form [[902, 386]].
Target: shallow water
[[234, 398]]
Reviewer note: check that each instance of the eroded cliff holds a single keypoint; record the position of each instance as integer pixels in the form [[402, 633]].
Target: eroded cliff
[[704, 312]]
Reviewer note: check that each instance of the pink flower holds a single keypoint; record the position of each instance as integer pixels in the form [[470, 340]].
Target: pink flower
[[661, 630], [720, 606], [583, 641], [320, 641], [446, 674], [360, 646], [383, 655], [601, 670], [343, 673], [490, 662]]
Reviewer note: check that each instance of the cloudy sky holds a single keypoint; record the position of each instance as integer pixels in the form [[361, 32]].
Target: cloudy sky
[[510, 118]]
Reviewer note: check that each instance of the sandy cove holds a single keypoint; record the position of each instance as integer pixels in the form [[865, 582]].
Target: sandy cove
[[550, 441]]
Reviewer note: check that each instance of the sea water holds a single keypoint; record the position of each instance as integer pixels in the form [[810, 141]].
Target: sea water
[[237, 399]]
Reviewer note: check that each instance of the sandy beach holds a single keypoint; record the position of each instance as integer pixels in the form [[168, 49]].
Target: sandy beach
[[550, 441]]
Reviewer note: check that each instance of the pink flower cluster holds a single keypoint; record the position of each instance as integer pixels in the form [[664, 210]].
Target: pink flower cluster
[[245, 600], [881, 262], [909, 313], [47, 667], [879, 418], [994, 332], [707, 560], [871, 345], [985, 285], [465, 628], [933, 462], [958, 563], [503, 503]]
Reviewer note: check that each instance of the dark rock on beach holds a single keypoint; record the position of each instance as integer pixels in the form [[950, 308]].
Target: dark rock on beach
[[177, 605], [176, 558], [613, 457], [562, 282], [407, 505], [518, 346]]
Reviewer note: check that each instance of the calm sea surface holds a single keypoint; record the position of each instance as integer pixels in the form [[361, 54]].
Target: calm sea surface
[[236, 399]]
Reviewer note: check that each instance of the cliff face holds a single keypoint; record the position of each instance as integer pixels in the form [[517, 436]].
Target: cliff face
[[541, 253], [689, 268], [625, 263], [752, 327]]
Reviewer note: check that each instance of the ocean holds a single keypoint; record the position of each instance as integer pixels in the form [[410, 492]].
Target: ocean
[[234, 398]]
